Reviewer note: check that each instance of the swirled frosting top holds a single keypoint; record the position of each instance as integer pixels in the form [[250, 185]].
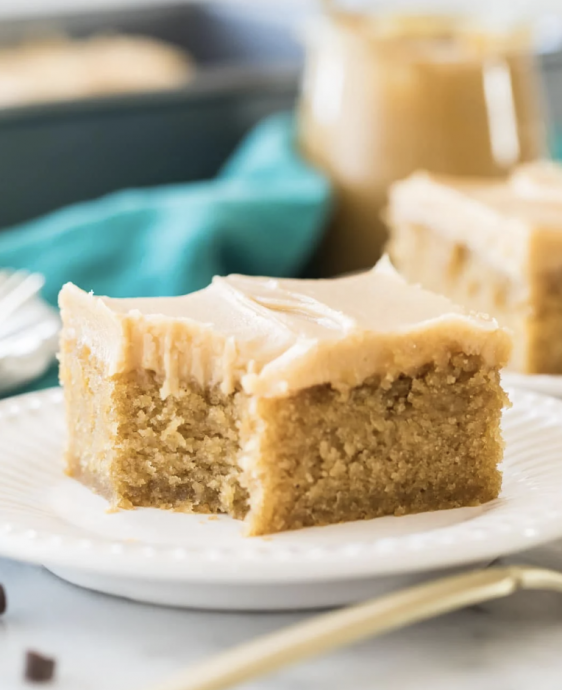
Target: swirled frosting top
[[269, 336]]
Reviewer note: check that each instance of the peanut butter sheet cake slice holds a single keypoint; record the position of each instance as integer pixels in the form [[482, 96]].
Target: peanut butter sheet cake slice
[[284, 403]]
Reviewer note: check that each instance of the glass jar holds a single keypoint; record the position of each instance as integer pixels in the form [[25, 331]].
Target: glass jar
[[385, 96]]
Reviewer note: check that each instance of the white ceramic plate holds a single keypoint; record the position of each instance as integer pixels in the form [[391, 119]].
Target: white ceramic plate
[[194, 560], [545, 384]]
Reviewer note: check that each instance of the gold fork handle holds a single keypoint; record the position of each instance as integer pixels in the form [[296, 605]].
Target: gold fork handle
[[330, 631]]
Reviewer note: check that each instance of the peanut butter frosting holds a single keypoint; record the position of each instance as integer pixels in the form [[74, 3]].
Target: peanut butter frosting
[[494, 218], [270, 337]]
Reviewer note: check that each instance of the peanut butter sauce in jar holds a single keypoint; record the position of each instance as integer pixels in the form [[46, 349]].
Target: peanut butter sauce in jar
[[384, 96]]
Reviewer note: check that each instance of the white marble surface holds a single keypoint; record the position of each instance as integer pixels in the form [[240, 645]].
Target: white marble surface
[[103, 643]]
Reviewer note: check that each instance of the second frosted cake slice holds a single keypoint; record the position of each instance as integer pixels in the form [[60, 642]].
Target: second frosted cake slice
[[494, 246]]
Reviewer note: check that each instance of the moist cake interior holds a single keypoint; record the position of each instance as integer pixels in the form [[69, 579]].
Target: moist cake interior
[[398, 445]]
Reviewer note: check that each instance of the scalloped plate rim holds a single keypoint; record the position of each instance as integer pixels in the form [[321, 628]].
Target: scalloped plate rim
[[267, 562]]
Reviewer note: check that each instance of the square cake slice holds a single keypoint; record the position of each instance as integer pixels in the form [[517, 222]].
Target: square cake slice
[[493, 246], [287, 403]]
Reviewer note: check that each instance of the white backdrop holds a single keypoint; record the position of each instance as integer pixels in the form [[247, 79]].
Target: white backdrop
[[26, 7], [31, 7]]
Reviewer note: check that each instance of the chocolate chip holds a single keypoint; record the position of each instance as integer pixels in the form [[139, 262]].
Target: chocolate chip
[[38, 668], [3, 601]]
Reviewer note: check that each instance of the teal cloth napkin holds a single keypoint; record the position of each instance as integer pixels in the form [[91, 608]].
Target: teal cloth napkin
[[263, 214]]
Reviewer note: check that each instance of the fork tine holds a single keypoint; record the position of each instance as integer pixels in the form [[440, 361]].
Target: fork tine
[[22, 288], [11, 282]]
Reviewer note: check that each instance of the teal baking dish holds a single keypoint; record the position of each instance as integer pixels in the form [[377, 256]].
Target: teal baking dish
[[55, 154]]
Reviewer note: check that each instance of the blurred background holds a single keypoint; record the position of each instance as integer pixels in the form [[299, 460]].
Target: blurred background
[[147, 145], [241, 63], [80, 120], [83, 116]]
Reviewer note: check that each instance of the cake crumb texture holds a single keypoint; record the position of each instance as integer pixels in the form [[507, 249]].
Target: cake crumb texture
[[389, 447], [429, 440]]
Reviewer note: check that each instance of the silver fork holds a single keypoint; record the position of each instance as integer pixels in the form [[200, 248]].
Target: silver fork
[[16, 289]]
